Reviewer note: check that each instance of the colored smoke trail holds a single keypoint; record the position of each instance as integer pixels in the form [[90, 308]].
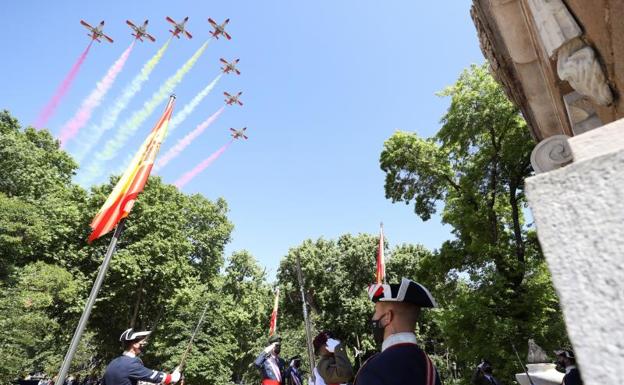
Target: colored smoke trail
[[112, 146], [109, 119], [50, 108], [178, 118], [187, 177], [174, 151], [82, 116]]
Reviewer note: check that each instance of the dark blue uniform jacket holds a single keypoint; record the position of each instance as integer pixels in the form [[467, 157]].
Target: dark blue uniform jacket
[[573, 377], [268, 367], [401, 364], [125, 370]]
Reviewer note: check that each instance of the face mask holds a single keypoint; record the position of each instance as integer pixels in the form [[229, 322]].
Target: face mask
[[378, 330]]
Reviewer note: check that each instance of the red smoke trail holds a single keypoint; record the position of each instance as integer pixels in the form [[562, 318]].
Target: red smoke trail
[[82, 116], [49, 109], [188, 139], [187, 177]]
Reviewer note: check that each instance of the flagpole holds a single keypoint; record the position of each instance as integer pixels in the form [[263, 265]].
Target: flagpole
[[89, 305], [190, 344], [306, 321]]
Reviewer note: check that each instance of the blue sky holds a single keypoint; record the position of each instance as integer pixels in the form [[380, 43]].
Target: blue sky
[[324, 84]]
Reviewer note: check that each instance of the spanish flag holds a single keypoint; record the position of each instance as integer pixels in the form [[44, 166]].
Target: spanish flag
[[132, 182], [273, 324]]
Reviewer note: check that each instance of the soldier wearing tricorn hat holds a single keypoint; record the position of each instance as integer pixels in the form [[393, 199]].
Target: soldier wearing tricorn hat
[[128, 368], [401, 361]]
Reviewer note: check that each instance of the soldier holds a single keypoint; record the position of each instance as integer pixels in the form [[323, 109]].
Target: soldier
[[483, 374], [128, 368], [269, 362], [567, 361], [292, 375], [333, 366], [401, 361]]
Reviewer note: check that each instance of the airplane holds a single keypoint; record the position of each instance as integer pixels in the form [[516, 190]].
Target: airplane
[[231, 99], [179, 27], [140, 31], [219, 29], [96, 32], [230, 67], [237, 134]]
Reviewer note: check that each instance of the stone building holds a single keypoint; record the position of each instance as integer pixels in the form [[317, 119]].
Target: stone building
[[562, 63]]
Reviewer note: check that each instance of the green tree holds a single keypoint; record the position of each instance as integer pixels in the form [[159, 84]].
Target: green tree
[[492, 276]]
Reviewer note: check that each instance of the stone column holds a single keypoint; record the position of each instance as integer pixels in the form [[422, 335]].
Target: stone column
[[579, 214]]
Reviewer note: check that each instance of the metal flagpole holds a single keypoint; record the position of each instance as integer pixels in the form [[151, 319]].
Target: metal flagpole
[[521, 364], [190, 344], [73, 346], [306, 322]]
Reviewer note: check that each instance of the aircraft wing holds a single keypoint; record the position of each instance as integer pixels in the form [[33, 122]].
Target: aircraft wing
[[188, 35], [227, 35], [223, 61], [150, 37], [130, 24], [212, 22], [107, 38], [226, 94], [86, 24], [170, 20]]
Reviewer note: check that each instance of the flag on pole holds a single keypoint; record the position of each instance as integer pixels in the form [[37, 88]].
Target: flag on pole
[[381, 262], [273, 324], [132, 182]]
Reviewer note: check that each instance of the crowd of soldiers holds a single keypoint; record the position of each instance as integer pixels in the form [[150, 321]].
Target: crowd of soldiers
[[400, 362]]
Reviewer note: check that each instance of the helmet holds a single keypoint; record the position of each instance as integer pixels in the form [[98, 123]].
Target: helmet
[[130, 335]]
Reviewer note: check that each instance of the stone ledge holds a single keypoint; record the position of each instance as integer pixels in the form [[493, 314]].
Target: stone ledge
[[599, 141]]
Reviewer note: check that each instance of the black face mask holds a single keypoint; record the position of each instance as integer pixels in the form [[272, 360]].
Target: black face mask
[[378, 330]]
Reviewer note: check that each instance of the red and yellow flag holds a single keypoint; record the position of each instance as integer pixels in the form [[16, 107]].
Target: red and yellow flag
[[132, 182], [273, 324], [380, 275]]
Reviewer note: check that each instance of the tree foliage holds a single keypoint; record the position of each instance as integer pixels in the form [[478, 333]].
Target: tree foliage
[[492, 276]]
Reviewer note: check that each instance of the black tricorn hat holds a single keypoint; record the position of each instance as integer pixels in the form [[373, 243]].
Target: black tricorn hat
[[567, 353], [407, 291], [131, 335]]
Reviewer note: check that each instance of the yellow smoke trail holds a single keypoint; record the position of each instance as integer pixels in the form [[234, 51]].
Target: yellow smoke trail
[[130, 126], [109, 118]]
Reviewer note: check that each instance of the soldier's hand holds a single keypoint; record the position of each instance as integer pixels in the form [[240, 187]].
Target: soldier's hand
[[331, 344], [270, 348], [175, 376]]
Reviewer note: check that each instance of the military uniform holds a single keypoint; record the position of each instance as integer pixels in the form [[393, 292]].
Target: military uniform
[[270, 364], [401, 361], [336, 368], [292, 375], [572, 376], [127, 370]]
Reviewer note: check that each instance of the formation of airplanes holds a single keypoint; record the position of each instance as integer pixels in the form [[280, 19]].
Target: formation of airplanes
[[237, 134], [231, 99], [179, 28]]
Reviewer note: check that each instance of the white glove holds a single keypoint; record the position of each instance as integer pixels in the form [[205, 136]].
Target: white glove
[[270, 348], [331, 344], [175, 376]]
